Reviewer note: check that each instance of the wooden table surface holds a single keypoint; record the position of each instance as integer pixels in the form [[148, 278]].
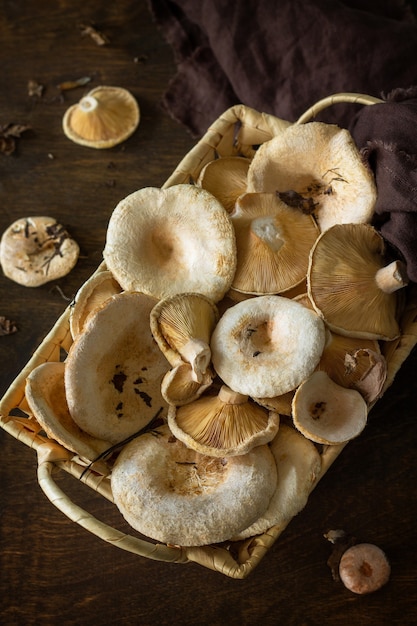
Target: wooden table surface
[[51, 570]]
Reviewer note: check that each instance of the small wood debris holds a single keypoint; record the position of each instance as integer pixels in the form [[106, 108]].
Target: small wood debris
[[7, 327], [8, 135], [98, 37], [73, 84], [35, 89]]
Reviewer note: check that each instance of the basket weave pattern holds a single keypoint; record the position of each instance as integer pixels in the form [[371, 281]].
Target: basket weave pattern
[[237, 132]]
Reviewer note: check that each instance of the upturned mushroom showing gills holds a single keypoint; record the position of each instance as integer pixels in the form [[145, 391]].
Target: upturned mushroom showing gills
[[327, 413], [36, 250], [103, 118], [227, 424], [350, 284], [273, 243], [318, 168], [225, 178], [174, 240], [267, 345], [182, 325]]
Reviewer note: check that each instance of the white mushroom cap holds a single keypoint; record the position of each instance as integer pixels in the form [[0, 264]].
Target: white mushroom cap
[[266, 346], [45, 394], [173, 240], [321, 163], [327, 413], [177, 496], [91, 295], [298, 465], [36, 250], [114, 370]]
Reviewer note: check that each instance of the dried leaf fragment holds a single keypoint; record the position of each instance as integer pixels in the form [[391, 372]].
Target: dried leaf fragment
[[8, 135], [98, 37], [7, 327]]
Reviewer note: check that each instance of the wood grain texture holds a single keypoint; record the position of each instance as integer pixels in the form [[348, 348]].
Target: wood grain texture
[[51, 570]]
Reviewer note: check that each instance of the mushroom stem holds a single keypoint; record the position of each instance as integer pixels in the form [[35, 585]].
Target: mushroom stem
[[392, 277], [228, 396], [88, 104], [198, 354], [266, 229]]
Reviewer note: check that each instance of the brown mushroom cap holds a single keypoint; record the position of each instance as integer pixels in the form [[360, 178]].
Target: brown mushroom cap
[[273, 244], [327, 413], [45, 394], [173, 240], [227, 424], [266, 346], [349, 284], [114, 370], [226, 179], [103, 118], [182, 325], [36, 250], [177, 496], [298, 465], [318, 165]]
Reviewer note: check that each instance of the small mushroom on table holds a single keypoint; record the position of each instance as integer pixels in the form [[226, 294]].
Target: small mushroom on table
[[35, 250], [103, 118]]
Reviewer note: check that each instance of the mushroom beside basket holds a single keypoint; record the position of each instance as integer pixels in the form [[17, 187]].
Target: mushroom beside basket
[[240, 133]]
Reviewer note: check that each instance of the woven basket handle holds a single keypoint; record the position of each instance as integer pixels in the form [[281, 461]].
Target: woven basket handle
[[354, 98], [46, 465]]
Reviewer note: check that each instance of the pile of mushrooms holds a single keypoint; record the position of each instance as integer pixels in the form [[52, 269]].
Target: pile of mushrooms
[[247, 312]]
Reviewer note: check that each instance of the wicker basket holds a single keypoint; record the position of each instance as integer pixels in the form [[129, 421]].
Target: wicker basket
[[238, 131]]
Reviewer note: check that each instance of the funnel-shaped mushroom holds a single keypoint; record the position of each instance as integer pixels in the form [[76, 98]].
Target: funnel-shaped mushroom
[[45, 394], [226, 179], [91, 295], [174, 240], [327, 413], [273, 244], [349, 284], [36, 250], [228, 424], [114, 370], [179, 386], [266, 346], [103, 118], [182, 327], [298, 464], [177, 496], [316, 166]]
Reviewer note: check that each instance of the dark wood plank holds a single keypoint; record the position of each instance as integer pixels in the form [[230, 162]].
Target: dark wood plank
[[51, 570]]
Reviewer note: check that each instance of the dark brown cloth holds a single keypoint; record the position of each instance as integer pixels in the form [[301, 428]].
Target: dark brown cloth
[[281, 56], [387, 136]]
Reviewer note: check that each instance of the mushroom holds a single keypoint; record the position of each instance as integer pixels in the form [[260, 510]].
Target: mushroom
[[266, 346], [298, 466], [352, 362], [364, 568], [45, 394], [91, 295], [114, 370], [317, 167], [103, 118], [273, 244], [280, 404], [227, 424], [327, 413], [349, 284], [225, 178], [36, 250], [173, 240], [175, 495], [182, 325], [179, 386]]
